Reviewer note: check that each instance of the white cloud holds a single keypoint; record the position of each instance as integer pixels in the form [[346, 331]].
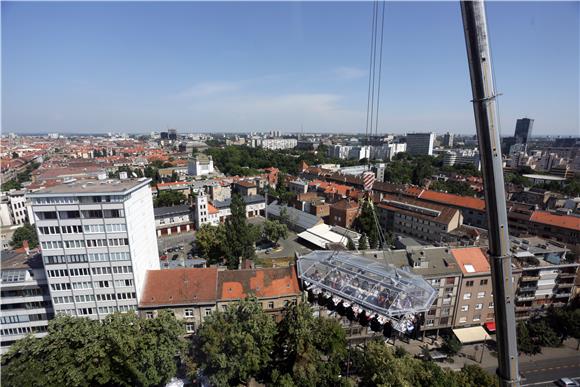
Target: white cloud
[[349, 72]]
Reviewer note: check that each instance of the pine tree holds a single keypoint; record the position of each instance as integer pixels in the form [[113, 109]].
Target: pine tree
[[350, 244], [363, 243]]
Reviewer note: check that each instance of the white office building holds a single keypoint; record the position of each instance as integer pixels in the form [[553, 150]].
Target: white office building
[[420, 143], [200, 165], [13, 209], [98, 240]]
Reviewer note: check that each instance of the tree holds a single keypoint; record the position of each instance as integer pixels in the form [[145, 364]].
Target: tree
[[241, 236], [284, 217], [122, 350], [309, 350], [210, 241], [169, 199], [350, 244], [472, 375], [366, 223], [363, 242], [274, 230], [25, 233], [451, 345], [11, 184], [233, 346], [525, 342]]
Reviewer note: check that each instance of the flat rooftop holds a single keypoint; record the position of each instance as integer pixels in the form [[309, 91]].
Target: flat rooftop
[[544, 177], [92, 186], [12, 260]]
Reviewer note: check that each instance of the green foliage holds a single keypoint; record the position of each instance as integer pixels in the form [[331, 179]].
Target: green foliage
[[451, 345], [453, 187], [169, 199], [11, 184], [517, 179], [241, 235], [122, 350], [350, 244], [363, 243], [379, 366], [274, 230], [474, 376], [366, 223], [210, 240], [525, 343], [565, 321], [309, 349], [233, 346], [25, 233]]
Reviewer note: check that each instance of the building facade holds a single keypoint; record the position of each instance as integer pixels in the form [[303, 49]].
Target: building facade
[[98, 240], [26, 304], [420, 143]]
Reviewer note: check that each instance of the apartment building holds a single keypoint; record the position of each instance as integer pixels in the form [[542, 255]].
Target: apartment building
[[420, 143], [200, 165], [194, 294], [343, 213], [246, 188], [205, 213], [545, 275], [440, 269], [255, 206], [98, 240], [475, 300], [425, 221], [13, 209], [26, 305]]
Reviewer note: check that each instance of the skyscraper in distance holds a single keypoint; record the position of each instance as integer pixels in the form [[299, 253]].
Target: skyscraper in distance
[[523, 130]]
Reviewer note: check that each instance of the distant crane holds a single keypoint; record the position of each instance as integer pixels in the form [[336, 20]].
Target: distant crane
[[484, 106]]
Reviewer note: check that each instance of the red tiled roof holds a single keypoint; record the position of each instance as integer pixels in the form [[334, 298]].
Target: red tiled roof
[[179, 287], [211, 209], [345, 205], [562, 221], [471, 260], [261, 283], [451, 199]]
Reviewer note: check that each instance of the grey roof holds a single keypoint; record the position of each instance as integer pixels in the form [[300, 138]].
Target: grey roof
[[168, 211], [298, 218], [439, 260], [88, 187], [12, 260], [252, 199]]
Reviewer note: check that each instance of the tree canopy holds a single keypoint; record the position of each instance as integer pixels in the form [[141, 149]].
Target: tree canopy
[[169, 199], [235, 345], [25, 233], [366, 223], [122, 350], [274, 230], [241, 235], [210, 241]]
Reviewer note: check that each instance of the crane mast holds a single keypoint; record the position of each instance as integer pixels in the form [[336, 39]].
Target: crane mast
[[485, 109]]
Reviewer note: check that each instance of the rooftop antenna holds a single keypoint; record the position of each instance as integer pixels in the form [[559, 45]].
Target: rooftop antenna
[[484, 106]]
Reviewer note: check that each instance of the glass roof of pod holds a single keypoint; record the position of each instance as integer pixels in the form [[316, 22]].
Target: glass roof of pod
[[372, 284]]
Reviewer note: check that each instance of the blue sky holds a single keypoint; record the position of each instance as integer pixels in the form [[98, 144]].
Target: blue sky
[[196, 66]]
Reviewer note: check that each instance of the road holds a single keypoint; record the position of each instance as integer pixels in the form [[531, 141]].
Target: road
[[544, 372]]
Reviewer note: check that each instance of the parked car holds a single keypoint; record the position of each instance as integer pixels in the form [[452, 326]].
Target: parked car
[[567, 382], [163, 257], [175, 256]]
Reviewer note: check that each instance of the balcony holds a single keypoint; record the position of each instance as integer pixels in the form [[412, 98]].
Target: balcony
[[562, 295], [523, 308], [567, 275], [565, 285], [529, 278], [525, 297], [528, 289]]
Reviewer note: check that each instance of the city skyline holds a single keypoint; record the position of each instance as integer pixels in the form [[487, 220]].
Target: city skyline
[[141, 67]]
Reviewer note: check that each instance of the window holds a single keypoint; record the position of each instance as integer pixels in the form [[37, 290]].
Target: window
[[149, 315], [432, 312], [271, 305], [207, 311], [483, 282], [462, 319], [464, 308], [188, 313], [490, 306], [477, 317], [436, 282], [469, 284], [480, 294], [430, 323], [444, 321], [478, 306], [467, 296], [189, 328]]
